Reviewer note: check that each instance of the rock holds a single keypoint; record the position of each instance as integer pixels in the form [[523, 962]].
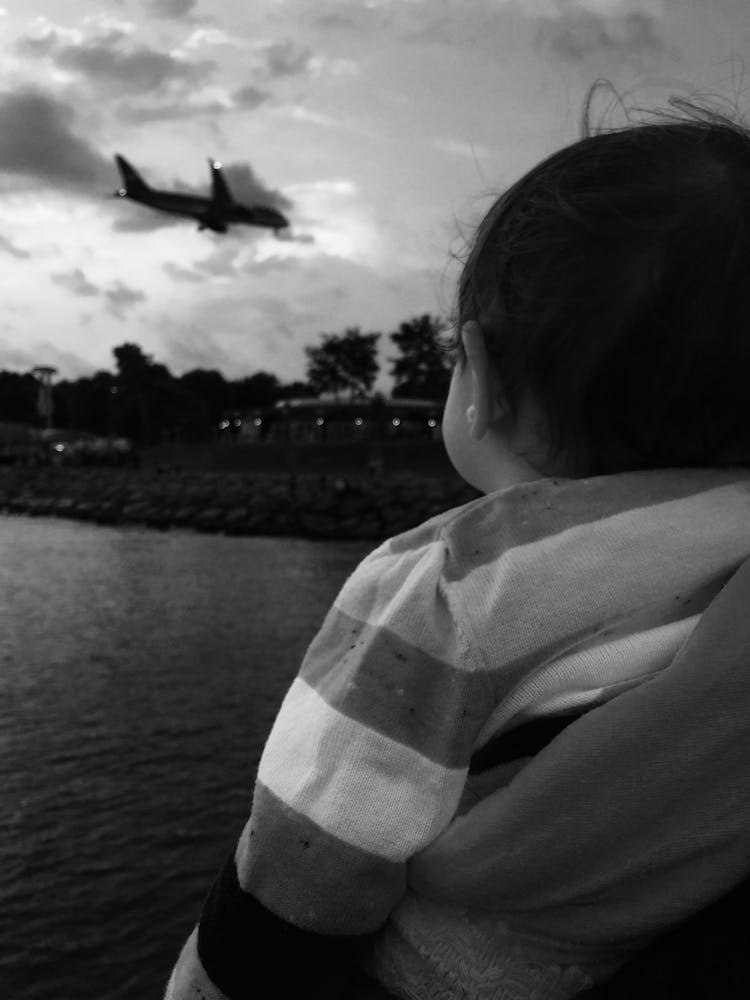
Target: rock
[[184, 516], [108, 513], [39, 506], [209, 519], [245, 503], [361, 527], [353, 505], [159, 518], [319, 525], [64, 506], [18, 503], [134, 512]]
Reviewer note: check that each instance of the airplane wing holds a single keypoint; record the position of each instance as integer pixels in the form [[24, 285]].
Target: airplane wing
[[220, 195]]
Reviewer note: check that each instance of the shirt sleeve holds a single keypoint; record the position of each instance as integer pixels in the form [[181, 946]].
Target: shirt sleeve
[[364, 766]]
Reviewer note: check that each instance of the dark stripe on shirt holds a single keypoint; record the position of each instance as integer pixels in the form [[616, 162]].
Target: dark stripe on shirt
[[372, 675], [249, 952]]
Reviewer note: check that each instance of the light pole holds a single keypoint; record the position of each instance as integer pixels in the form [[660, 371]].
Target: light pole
[[43, 374]]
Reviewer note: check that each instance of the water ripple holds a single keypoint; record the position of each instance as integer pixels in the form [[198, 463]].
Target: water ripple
[[140, 673]]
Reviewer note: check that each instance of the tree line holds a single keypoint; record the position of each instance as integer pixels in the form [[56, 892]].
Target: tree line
[[143, 401]]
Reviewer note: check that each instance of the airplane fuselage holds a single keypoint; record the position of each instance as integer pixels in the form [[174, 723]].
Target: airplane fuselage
[[215, 213], [205, 212]]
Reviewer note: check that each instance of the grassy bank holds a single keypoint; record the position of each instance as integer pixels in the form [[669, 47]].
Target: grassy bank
[[339, 505]]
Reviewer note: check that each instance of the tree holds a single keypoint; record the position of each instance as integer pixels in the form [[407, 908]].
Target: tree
[[132, 364], [18, 396], [207, 394], [296, 390], [343, 363], [146, 399], [260, 389], [423, 371], [87, 404]]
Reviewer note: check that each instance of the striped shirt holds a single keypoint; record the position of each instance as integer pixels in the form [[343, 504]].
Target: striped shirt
[[368, 833]]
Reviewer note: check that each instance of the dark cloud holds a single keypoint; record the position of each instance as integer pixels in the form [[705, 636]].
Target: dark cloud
[[122, 297], [287, 236], [142, 69], [247, 188], [582, 32], [170, 8], [112, 58], [40, 140], [286, 59], [249, 97], [76, 282], [243, 99], [7, 246]]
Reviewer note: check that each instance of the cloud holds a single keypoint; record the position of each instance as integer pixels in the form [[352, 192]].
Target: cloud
[[170, 9], [322, 65], [185, 347], [223, 260], [122, 297], [7, 246], [110, 57], [76, 282], [285, 58], [209, 100], [287, 236], [581, 32], [336, 21], [249, 97], [40, 140], [181, 273], [142, 69], [13, 356], [135, 218], [302, 114], [246, 187], [213, 36]]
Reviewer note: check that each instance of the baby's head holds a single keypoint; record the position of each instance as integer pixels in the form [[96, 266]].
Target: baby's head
[[611, 286]]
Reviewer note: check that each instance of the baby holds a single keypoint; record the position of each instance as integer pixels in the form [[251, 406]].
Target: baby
[[491, 776]]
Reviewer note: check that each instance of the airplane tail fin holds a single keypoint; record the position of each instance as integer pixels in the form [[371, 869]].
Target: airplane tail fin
[[131, 179], [220, 193]]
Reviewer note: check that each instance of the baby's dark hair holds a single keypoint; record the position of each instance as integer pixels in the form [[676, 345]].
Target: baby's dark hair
[[612, 281]]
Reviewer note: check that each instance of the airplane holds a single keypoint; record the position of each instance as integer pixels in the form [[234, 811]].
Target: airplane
[[217, 212]]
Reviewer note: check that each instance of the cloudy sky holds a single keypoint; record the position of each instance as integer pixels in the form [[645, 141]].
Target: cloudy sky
[[382, 128]]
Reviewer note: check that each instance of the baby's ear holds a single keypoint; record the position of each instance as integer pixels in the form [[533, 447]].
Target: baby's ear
[[488, 401]]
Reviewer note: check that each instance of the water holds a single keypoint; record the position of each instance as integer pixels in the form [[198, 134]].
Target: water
[[140, 673]]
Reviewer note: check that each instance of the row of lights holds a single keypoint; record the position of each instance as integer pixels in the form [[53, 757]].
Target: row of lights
[[358, 421]]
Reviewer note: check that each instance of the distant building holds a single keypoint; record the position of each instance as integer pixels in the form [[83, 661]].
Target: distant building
[[318, 419]]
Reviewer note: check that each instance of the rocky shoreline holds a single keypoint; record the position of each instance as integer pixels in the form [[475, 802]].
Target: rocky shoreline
[[234, 503]]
